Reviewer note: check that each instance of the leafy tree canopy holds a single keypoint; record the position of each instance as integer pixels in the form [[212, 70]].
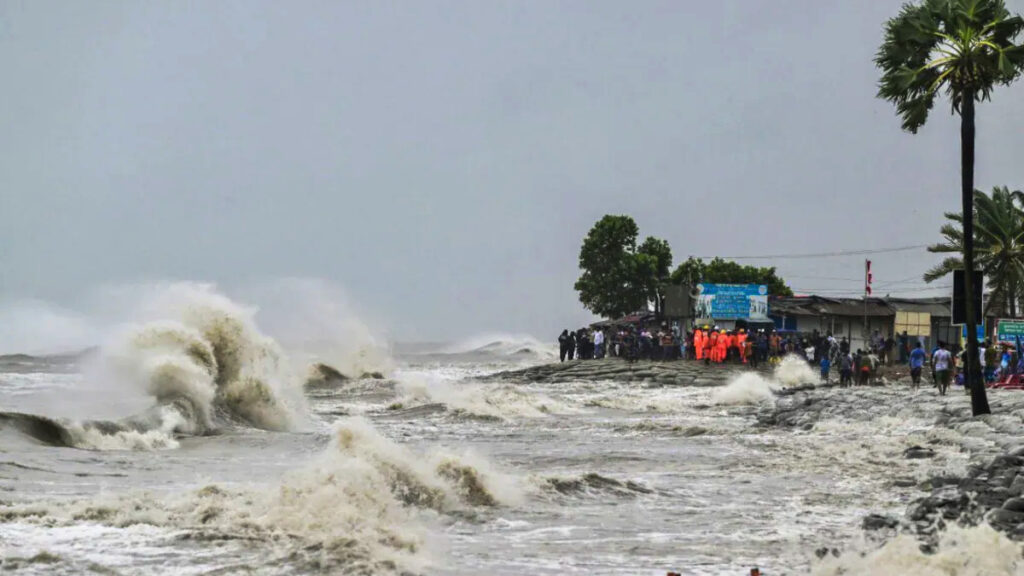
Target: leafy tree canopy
[[619, 278], [998, 245], [719, 271]]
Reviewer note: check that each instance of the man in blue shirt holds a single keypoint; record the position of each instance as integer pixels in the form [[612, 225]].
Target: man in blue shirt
[[917, 358]]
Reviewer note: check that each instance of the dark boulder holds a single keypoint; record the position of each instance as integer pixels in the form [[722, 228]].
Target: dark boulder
[[916, 452]]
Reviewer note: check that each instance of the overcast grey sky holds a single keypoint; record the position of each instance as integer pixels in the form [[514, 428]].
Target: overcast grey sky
[[441, 161]]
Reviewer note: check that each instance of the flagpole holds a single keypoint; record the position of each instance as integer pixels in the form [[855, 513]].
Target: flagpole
[[867, 290]]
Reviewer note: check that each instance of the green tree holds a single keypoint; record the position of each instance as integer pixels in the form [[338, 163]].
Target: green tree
[[619, 278], [964, 48], [654, 259], [998, 246], [608, 260], [719, 271]]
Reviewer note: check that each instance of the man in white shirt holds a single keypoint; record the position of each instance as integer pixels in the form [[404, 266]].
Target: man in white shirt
[[942, 362], [599, 344]]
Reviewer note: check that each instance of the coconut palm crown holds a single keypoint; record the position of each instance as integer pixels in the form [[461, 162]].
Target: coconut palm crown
[[963, 48]]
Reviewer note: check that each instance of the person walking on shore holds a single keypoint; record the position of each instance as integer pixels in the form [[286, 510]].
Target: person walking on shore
[[942, 362], [917, 357], [563, 345], [570, 350]]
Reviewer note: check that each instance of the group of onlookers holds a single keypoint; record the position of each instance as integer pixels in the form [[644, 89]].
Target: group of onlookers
[[629, 342], [824, 351]]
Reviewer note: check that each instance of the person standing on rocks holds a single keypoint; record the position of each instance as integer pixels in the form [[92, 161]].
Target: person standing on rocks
[[942, 362], [846, 369], [563, 345], [917, 357], [570, 350]]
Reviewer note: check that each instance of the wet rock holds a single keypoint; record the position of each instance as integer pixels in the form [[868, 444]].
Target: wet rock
[[879, 522], [1014, 504], [825, 551], [1007, 518], [916, 452], [904, 482]]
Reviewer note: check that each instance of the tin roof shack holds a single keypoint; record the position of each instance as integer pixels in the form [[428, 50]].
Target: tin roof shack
[[840, 316]]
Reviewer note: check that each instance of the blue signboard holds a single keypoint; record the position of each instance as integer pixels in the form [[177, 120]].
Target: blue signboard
[[979, 327], [732, 301]]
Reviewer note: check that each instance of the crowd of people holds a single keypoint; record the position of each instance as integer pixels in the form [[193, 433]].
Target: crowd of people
[[710, 344], [706, 343]]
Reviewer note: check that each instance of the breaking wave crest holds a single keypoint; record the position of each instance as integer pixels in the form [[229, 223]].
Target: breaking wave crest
[[488, 401], [503, 346], [593, 484], [204, 362], [753, 388], [975, 551], [357, 508], [794, 371]]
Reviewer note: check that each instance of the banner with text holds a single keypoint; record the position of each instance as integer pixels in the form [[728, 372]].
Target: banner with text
[[732, 301], [1008, 330]]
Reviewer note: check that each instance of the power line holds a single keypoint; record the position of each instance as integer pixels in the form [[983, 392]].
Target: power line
[[836, 254], [914, 278], [848, 291], [861, 279]]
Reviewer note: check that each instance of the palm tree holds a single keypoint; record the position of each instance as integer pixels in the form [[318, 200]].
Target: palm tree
[[964, 48], [998, 245]]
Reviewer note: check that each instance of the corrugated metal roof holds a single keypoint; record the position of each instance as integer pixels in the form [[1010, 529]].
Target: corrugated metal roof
[[876, 307], [935, 306], [819, 306]]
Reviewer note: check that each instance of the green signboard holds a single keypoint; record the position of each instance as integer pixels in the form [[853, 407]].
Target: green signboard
[[1008, 329]]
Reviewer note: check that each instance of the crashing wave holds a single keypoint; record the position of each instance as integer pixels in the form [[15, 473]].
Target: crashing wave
[[593, 484], [502, 346], [360, 507], [206, 368], [972, 551], [481, 401], [753, 388]]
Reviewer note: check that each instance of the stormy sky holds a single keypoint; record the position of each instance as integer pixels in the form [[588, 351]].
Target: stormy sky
[[440, 162]]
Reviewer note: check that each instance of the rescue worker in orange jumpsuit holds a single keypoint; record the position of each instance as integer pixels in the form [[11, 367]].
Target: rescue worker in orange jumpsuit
[[741, 343], [723, 346], [698, 343]]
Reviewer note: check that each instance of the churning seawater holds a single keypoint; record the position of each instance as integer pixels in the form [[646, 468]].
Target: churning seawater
[[196, 445]]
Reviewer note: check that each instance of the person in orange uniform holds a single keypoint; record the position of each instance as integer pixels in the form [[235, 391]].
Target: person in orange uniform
[[711, 348], [698, 343], [741, 343], [724, 342]]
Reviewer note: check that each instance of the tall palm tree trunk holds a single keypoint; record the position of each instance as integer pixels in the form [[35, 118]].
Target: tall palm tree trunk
[[1013, 299], [972, 376]]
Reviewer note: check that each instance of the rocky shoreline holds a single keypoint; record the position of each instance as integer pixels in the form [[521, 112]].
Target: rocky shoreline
[[678, 373], [992, 488]]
